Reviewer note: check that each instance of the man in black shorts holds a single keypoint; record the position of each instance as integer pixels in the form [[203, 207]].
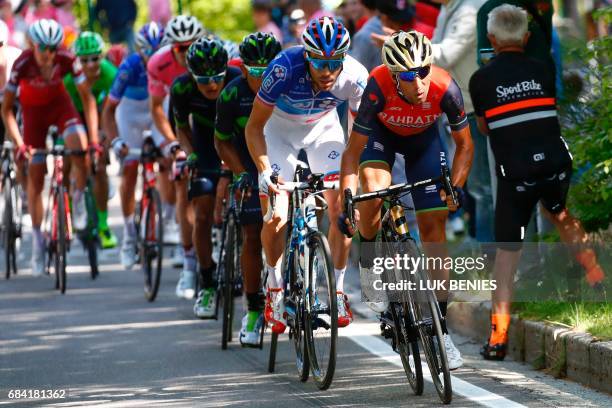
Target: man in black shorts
[[514, 100], [193, 98]]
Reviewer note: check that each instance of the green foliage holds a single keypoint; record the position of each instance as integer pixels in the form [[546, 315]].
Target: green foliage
[[586, 120]]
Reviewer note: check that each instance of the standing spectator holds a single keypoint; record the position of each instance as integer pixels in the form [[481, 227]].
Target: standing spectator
[[262, 17], [17, 27], [454, 49], [296, 21], [514, 100], [368, 8], [363, 49], [63, 13], [159, 11], [8, 55], [118, 17], [313, 9], [540, 27], [39, 9]]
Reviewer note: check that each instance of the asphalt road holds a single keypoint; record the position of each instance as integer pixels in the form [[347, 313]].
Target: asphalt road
[[105, 345]]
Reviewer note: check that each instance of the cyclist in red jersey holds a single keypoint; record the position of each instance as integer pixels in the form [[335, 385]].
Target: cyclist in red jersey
[[400, 106], [38, 75]]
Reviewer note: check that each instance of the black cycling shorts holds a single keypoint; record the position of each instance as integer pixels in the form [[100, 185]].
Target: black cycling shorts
[[516, 201]]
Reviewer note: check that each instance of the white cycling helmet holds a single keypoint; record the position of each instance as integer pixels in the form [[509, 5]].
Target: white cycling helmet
[[404, 51], [183, 28], [47, 32], [4, 34]]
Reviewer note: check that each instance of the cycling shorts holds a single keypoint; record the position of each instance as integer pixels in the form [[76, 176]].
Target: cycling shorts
[[133, 117], [37, 119], [424, 154], [322, 141], [516, 201], [251, 206]]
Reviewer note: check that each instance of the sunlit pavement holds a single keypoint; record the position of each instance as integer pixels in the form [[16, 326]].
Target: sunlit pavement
[[105, 345]]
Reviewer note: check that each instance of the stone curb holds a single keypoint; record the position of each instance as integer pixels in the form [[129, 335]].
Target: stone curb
[[558, 350]]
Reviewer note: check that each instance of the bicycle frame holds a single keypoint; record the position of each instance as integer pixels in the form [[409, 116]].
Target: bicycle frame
[[57, 183]]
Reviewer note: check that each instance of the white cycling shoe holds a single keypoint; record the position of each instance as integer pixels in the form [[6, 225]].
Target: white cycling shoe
[[452, 353], [128, 253], [186, 286]]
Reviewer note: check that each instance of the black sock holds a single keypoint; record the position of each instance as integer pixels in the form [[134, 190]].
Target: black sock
[[254, 303], [207, 276], [366, 261], [443, 306]]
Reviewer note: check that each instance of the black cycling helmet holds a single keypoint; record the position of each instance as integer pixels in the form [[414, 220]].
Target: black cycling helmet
[[207, 57], [259, 48]]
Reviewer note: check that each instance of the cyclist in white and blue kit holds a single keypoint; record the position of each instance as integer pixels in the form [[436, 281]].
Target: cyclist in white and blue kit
[[125, 117], [295, 109]]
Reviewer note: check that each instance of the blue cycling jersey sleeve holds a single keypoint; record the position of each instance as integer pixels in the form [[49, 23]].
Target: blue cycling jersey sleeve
[[131, 80], [278, 75]]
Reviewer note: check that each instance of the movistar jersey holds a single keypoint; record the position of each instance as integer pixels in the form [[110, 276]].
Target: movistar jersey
[[131, 80], [287, 85], [100, 88], [233, 110], [186, 100]]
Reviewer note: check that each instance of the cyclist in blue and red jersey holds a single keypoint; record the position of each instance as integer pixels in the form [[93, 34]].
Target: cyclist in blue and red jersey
[[125, 117], [37, 81], [401, 104]]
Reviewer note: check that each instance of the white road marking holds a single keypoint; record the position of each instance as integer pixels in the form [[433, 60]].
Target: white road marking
[[367, 336]]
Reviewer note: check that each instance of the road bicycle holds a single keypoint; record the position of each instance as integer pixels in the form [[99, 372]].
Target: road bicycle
[[310, 285], [89, 236], [10, 209], [415, 318], [149, 219]]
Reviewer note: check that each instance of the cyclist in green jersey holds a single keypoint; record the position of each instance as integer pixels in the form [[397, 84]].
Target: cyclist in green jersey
[[100, 74]]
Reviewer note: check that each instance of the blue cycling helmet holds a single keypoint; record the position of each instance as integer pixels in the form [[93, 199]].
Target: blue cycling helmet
[[150, 36], [326, 37]]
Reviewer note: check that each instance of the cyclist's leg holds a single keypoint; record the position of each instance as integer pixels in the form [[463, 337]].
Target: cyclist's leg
[[375, 166], [185, 215]]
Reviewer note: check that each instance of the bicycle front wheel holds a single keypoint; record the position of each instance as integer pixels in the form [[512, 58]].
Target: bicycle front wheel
[[321, 312], [152, 244], [91, 235], [229, 271], [7, 217], [61, 233], [429, 317], [407, 346]]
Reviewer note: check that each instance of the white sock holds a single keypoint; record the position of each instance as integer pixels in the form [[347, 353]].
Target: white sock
[[275, 280], [129, 227], [38, 242], [340, 279], [169, 212]]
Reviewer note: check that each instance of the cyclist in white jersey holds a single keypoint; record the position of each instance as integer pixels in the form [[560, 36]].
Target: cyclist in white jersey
[[295, 109]]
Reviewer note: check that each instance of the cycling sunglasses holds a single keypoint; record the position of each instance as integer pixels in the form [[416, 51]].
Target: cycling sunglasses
[[320, 64], [91, 59], [411, 75], [206, 80], [255, 72], [45, 47]]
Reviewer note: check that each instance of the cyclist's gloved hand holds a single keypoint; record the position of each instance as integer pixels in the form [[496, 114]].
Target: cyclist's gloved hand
[[180, 164], [345, 226], [118, 146], [265, 181], [170, 148], [460, 195], [22, 152]]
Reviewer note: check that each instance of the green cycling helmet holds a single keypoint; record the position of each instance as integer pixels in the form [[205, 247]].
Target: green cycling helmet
[[207, 57], [88, 43], [259, 48]]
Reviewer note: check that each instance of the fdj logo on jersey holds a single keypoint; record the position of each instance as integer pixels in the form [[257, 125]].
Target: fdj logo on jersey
[[275, 76]]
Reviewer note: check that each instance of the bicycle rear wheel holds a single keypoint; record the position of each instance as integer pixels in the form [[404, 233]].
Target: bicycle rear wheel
[[229, 268], [152, 244], [61, 244], [7, 217], [321, 316], [17, 213], [272, 356]]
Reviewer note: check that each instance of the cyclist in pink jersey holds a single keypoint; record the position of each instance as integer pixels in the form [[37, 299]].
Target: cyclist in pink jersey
[[163, 67]]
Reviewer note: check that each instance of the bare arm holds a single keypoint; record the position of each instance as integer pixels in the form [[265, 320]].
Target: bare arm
[[349, 166], [91, 111], [184, 138], [227, 152], [109, 124], [254, 132], [10, 122], [462, 161], [159, 117]]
